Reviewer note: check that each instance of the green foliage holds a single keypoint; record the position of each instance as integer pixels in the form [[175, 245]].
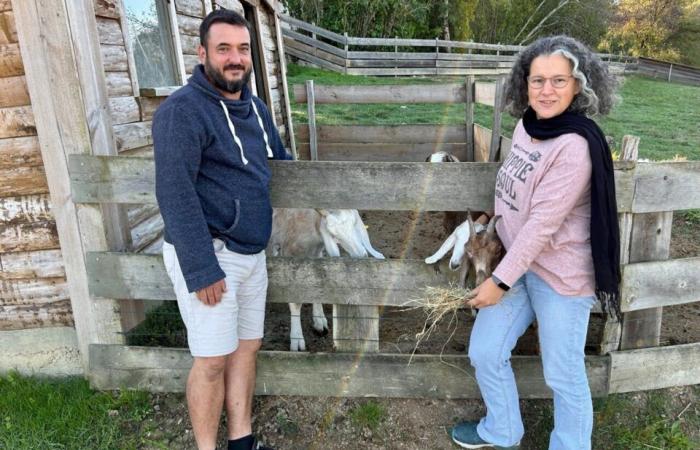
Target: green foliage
[[37, 413], [692, 216], [162, 327], [368, 415]]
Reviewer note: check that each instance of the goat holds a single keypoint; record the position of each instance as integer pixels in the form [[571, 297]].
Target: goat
[[452, 218], [473, 245], [309, 232]]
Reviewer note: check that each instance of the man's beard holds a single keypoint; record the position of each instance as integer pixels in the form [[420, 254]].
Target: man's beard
[[217, 77]]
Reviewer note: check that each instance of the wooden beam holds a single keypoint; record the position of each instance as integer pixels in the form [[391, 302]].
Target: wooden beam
[[34, 264], [282, 62], [494, 148], [329, 280], [660, 283], [381, 152], [311, 114], [19, 152], [55, 88], [10, 60], [13, 91], [327, 374], [324, 184], [655, 368], [385, 134], [668, 186]]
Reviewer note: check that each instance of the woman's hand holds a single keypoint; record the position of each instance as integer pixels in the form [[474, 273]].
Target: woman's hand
[[486, 294]]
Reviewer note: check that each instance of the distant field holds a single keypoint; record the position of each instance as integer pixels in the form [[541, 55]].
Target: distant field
[[665, 116]]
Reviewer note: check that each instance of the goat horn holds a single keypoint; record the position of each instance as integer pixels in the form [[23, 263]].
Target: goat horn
[[491, 229], [472, 230]]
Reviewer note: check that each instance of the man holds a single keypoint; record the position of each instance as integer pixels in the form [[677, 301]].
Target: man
[[212, 140]]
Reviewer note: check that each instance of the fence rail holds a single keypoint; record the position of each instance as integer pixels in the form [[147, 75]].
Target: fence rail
[[669, 71], [370, 56], [391, 375]]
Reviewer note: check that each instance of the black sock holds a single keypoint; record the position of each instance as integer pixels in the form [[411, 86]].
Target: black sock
[[244, 443]]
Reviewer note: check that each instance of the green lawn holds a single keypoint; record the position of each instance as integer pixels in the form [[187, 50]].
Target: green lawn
[[666, 116]]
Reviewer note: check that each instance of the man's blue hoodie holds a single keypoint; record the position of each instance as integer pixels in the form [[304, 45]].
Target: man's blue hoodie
[[212, 175]]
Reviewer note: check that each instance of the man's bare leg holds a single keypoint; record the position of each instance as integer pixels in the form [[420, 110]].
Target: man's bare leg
[[240, 386], [205, 398]]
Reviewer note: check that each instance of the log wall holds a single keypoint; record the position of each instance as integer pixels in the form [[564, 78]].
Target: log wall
[[33, 288]]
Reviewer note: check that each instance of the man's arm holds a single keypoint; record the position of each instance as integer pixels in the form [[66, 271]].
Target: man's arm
[[178, 148]]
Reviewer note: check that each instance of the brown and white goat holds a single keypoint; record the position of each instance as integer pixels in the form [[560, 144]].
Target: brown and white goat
[[310, 233], [472, 245]]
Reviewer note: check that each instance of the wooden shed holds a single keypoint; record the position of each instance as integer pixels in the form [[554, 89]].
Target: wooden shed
[[77, 77]]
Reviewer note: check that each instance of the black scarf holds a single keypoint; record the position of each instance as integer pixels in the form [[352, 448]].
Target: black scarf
[[605, 231]]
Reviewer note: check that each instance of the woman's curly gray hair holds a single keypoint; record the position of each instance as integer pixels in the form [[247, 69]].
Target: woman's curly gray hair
[[597, 94]]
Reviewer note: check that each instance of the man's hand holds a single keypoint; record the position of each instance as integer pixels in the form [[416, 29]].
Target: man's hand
[[211, 295], [486, 294]]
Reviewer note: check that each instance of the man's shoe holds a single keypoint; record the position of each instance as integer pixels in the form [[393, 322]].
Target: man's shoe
[[258, 446], [464, 434]]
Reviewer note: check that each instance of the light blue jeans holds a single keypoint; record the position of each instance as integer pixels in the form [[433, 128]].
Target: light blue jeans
[[562, 325]]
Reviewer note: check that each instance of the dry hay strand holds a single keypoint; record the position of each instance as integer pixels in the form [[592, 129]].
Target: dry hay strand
[[439, 303]]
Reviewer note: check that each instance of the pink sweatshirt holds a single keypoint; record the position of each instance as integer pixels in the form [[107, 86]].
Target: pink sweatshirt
[[543, 193]]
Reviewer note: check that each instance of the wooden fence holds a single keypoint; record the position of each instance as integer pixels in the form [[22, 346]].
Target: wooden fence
[[642, 188], [390, 57], [679, 73]]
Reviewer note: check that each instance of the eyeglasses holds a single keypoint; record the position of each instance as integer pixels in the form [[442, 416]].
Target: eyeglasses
[[558, 82]]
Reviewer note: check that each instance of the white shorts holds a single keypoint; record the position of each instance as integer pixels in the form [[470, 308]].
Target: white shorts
[[215, 330]]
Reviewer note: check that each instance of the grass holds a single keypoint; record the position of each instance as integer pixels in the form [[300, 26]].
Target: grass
[[368, 415], [664, 115], [51, 414]]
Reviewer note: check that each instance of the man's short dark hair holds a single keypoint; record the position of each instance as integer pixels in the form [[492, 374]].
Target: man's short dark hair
[[221, 15]]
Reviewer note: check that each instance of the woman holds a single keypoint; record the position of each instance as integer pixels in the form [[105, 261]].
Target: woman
[[556, 194]]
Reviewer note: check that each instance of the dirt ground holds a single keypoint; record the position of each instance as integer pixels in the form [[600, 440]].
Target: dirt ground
[[331, 423]]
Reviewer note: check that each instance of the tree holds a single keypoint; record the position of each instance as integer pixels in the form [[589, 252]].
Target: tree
[[643, 28]]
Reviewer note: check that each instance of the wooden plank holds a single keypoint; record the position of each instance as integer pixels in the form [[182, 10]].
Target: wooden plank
[[668, 186], [139, 213], [317, 61], [133, 135], [163, 91], [469, 117], [34, 264], [118, 84], [139, 152], [13, 91], [188, 25], [660, 283], [41, 352], [33, 292], [328, 280], [8, 30], [110, 31], [313, 54], [56, 314], [189, 62], [29, 236], [143, 234], [17, 121], [495, 145], [381, 152], [311, 114], [5, 5], [384, 134], [356, 328], [30, 208], [10, 61], [282, 61], [327, 374], [114, 58], [21, 151], [22, 180], [404, 94], [313, 29], [482, 143], [190, 44], [326, 184], [651, 239], [193, 8], [428, 72], [655, 368], [124, 110], [54, 63], [328, 48], [265, 68], [108, 8]]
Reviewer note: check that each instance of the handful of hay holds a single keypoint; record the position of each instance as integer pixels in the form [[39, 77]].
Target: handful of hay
[[438, 303]]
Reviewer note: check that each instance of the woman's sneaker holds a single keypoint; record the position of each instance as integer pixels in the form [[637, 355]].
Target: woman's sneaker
[[464, 434]]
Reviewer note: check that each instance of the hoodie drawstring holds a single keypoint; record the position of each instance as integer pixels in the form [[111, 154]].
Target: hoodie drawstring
[[235, 136], [233, 132], [267, 142]]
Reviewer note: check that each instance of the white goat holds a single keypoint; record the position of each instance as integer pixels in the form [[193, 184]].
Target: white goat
[[452, 218], [310, 232]]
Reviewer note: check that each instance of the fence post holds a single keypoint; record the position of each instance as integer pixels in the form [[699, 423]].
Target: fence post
[[670, 71], [437, 56], [650, 241], [346, 47], [496, 129], [469, 115], [612, 330], [311, 108]]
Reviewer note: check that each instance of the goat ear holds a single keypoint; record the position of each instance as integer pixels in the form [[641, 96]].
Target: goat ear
[[364, 236], [452, 158], [444, 248], [329, 243]]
